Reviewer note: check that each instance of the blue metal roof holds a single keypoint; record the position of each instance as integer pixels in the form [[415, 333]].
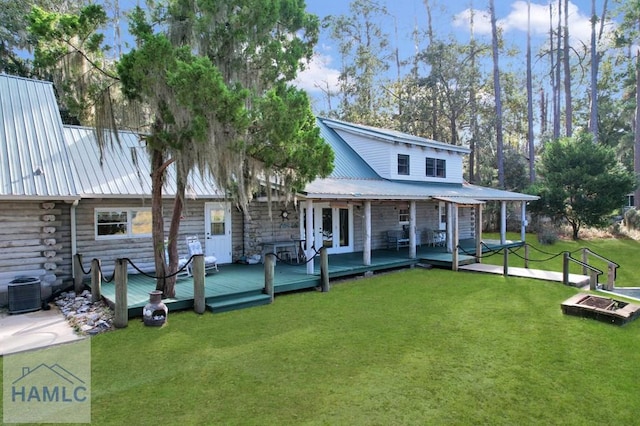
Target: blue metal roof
[[33, 158]]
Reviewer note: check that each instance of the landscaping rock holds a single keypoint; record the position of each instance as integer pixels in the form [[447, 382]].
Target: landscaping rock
[[85, 317]]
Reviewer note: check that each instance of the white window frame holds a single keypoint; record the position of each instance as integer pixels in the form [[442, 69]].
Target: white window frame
[[403, 213], [129, 211]]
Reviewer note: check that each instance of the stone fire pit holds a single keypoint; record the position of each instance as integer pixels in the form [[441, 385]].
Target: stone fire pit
[[600, 308]]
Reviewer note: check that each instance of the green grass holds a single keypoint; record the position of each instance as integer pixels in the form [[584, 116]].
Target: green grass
[[622, 252], [412, 347]]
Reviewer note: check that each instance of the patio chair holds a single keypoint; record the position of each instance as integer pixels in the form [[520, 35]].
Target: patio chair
[[194, 246], [181, 262]]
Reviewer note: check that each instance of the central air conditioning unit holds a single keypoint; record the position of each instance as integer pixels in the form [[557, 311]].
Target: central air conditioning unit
[[24, 295]]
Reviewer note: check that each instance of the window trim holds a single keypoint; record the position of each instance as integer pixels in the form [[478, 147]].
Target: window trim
[[439, 164], [129, 212], [407, 158], [403, 212]]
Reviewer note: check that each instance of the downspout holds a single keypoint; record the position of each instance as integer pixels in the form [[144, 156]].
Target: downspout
[[74, 236]]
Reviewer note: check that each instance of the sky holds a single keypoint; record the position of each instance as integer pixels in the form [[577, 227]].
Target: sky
[[449, 18]]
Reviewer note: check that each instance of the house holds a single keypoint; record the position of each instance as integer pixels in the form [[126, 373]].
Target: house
[[58, 198]]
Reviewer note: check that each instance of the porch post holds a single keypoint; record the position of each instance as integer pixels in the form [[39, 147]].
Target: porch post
[[309, 237], [523, 220], [412, 229], [479, 233], [366, 250], [449, 207], [455, 232], [503, 222]]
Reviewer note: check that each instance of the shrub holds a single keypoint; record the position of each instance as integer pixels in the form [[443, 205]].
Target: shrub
[[547, 235], [631, 219]]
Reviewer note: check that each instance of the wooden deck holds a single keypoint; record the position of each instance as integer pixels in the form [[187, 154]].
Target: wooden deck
[[238, 286]]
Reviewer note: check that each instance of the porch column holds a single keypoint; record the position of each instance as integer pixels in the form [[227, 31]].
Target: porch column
[[455, 236], [412, 229], [523, 220], [503, 222], [449, 207], [478, 232], [366, 250], [309, 237]]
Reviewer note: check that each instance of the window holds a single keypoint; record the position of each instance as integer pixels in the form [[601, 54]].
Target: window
[[122, 223], [403, 164], [436, 167], [403, 215]]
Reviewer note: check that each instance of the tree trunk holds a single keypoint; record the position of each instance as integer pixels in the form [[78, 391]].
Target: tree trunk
[[568, 107], [636, 140], [157, 181], [530, 141], [593, 110], [497, 94], [174, 230]]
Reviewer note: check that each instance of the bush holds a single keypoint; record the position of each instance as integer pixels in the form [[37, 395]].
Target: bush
[[547, 235], [632, 219]]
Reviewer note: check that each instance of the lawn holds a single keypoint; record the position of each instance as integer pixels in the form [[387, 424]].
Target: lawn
[[412, 347]]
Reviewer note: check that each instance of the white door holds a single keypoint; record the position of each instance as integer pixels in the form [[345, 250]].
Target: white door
[[442, 216], [217, 230], [333, 228]]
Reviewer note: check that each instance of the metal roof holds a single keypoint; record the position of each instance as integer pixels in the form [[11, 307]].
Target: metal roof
[[383, 189], [392, 136], [347, 163], [125, 170], [33, 158]]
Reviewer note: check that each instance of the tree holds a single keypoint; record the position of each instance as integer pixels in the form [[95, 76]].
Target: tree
[[581, 182], [214, 81], [365, 52], [497, 93]]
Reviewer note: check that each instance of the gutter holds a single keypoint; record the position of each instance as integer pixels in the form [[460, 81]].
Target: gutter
[[74, 237]]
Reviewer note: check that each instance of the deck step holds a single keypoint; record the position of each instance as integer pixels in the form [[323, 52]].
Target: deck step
[[242, 302]]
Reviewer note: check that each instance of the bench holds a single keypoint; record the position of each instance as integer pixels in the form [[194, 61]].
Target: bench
[[397, 239]]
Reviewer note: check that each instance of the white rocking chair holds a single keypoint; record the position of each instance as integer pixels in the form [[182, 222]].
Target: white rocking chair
[[184, 273], [194, 246]]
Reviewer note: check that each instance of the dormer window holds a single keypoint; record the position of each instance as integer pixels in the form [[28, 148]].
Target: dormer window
[[436, 167], [403, 165]]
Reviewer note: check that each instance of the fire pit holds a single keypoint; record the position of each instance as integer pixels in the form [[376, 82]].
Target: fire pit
[[600, 308]]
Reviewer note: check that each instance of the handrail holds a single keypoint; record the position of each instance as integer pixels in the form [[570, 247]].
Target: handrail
[[601, 257], [586, 265]]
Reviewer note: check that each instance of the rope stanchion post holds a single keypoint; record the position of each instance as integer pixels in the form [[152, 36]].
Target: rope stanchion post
[[121, 310], [96, 280], [78, 276], [324, 270], [585, 260], [198, 284], [269, 274], [505, 265], [611, 276], [526, 255], [565, 268], [593, 279]]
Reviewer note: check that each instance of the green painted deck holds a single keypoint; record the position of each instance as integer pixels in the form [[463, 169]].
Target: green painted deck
[[238, 285]]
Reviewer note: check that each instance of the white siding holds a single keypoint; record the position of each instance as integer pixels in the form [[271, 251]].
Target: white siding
[[382, 156]]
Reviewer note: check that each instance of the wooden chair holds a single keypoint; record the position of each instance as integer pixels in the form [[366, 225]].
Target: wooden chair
[[397, 239]]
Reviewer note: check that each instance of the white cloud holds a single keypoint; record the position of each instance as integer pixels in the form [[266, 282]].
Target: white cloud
[[318, 75], [516, 20]]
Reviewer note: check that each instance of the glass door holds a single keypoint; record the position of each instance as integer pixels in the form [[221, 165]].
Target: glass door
[[333, 228]]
